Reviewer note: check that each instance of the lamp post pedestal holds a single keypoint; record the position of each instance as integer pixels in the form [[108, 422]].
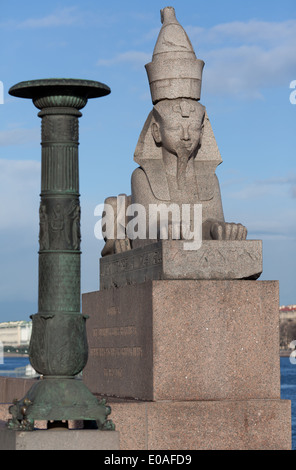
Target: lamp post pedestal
[[58, 348]]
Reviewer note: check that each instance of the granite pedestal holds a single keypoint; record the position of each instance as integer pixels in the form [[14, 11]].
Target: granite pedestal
[[184, 340], [200, 356]]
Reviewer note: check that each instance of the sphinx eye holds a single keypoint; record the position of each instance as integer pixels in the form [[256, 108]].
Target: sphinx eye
[[194, 127], [173, 128]]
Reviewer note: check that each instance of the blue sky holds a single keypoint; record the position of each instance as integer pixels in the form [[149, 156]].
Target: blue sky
[[249, 51]]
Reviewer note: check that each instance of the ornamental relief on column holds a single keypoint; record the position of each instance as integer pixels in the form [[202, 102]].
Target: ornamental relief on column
[[57, 128], [59, 225]]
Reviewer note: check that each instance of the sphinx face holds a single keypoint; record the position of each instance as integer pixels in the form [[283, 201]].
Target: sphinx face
[[179, 127]]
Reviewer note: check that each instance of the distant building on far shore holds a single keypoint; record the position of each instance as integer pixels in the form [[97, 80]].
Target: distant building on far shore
[[15, 333], [288, 312], [287, 327]]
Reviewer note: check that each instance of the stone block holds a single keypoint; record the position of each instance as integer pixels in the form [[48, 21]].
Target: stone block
[[82, 439], [204, 425], [3, 389], [184, 340], [167, 259], [14, 388], [4, 412]]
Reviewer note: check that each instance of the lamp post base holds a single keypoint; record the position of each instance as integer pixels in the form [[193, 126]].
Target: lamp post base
[[58, 399]]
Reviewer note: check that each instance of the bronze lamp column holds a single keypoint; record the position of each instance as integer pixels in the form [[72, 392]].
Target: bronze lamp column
[[58, 348]]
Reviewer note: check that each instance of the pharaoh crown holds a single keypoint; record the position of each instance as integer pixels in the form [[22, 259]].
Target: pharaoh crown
[[174, 72]]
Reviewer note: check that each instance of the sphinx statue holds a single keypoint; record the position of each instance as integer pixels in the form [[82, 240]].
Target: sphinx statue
[[176, 152]]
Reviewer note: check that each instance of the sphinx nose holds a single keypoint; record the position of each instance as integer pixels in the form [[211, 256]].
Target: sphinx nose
[[185, 134]]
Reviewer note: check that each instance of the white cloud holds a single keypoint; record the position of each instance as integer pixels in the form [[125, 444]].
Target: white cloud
[[19, 136], [247, 70], [64, 17], [264, 206], [248, 32], [282, 186], [19, 194], [242, 58], [288, 181], [136, 58]]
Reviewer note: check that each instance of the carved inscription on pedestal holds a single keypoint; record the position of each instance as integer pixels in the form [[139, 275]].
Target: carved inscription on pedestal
[[116, 352], [137, 265], [119, 340], [134, 260]]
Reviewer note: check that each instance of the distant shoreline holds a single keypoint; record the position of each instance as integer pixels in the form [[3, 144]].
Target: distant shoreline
[[14, 354], [285, 353]]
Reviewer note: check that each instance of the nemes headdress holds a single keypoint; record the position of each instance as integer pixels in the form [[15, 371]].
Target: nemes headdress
[[174, 72]]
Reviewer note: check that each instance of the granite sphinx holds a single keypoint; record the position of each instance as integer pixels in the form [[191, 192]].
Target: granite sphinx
[[177, 156]]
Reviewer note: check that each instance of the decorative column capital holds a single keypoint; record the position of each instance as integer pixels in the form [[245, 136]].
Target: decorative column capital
[[59, 92]]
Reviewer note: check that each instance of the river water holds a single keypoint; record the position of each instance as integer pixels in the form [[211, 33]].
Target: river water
[[13, 366], [288, 390]]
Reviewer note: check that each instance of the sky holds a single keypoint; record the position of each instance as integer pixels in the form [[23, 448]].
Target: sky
[[250, 61]]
